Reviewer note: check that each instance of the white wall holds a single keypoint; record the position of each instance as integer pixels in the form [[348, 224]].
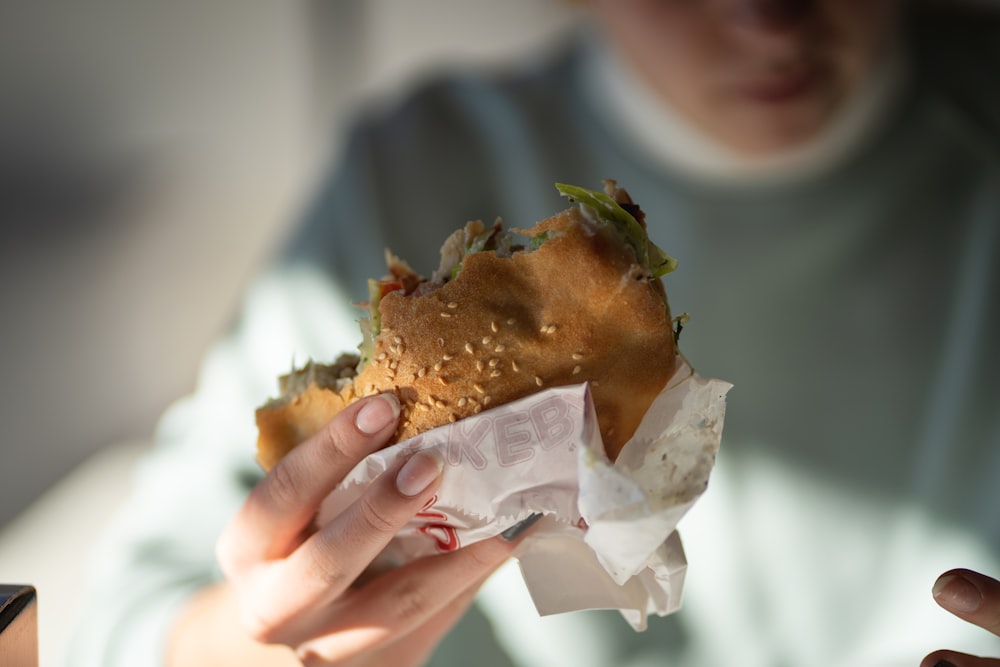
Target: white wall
[[151, 155]]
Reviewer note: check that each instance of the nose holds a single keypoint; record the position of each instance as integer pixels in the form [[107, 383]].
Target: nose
[[770, 14]]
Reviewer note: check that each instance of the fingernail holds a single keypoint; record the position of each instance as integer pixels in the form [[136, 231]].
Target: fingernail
[[957, 593], [518, 529], [377, 413], [419, 472]]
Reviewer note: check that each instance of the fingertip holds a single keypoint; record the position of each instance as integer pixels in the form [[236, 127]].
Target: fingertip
[[518, 530], [419, 472], [955, 590], [377, 413]]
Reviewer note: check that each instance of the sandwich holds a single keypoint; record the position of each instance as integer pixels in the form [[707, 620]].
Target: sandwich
[[577, 298]]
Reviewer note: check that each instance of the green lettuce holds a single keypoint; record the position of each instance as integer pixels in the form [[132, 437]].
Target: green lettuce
[[607, 210]]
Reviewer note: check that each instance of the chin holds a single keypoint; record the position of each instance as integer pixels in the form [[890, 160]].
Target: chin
[[766, 141], [761, 128], [759, 132]]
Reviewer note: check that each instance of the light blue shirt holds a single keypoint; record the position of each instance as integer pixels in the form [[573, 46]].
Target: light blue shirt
[[857, 313]]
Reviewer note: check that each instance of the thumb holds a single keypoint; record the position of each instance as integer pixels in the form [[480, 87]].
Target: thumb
[[971, 596]]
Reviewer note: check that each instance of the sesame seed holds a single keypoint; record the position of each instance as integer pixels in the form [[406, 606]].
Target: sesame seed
[[513, 366], [468, 348], [487, 399], [493, 362], [478, 387], [576, 369], [477, 409], [439, 404], [499, 348], [577, 356], [452, 418], [438, 366], [510, 320], [487, 340], [443, 380], [440, 342], [397, 340], [394, 364], [494, 326], [381, 356], [462, 402], [422, 406], [444, 314], [452, 305], [422, 372], [480, 365], [538, 381], [447, 357], [495, 374]]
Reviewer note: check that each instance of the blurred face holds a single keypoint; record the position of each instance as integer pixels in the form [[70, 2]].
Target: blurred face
[[759, 76]]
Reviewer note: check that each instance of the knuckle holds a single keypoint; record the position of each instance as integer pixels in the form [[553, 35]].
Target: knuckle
[[324, 569], [258, 627], [376, 517], [234, 560], [336, 449], [411, 601], [282, 485], [226, 556]]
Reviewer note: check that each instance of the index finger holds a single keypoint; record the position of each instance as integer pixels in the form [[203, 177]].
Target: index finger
[[278, 511], [971, 596]]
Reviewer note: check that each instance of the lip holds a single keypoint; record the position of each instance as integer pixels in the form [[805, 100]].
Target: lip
[[779, 89]]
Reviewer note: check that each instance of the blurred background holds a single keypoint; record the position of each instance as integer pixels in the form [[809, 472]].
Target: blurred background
[[152, 155]]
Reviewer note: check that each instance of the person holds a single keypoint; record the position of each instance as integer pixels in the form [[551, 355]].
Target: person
[[827, 173]]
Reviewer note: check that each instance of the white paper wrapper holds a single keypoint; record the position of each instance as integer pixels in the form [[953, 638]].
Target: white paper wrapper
[[608, 539]]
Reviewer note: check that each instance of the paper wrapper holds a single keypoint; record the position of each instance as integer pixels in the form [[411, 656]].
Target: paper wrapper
[[608, 537]]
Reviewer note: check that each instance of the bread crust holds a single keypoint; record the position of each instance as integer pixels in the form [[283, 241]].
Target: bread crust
[[578, 308]]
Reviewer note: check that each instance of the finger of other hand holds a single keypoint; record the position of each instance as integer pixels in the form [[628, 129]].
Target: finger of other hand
[[970, 596], [301, 587], [273, 520], [956, 659]]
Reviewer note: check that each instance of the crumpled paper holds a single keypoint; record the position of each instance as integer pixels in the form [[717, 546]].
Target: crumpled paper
[[608, 537]]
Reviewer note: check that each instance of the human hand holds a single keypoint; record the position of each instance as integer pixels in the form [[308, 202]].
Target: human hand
[[975, 598], [296, 584]]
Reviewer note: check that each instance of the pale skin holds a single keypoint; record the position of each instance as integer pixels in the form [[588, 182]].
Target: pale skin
[[757, 76], [973, 597], [288, 596]]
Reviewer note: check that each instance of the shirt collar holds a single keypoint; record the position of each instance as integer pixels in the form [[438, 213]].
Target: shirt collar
[[658, 130]]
